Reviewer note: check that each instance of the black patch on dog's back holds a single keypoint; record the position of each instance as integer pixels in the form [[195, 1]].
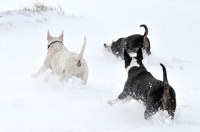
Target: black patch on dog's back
[[134, 41]]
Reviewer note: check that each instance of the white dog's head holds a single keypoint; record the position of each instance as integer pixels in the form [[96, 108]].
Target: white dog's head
[[52, 39]]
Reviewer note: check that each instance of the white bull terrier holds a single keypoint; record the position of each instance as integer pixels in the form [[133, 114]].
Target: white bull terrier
[[63, 62]]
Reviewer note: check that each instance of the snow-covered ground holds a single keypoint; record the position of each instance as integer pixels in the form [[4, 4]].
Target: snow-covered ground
[[35, 105]]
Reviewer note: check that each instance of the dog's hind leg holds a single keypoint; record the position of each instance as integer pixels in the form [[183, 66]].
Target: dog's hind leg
[[40, 71], [148, 49], [84, 75], [64, 76], [153, 103]]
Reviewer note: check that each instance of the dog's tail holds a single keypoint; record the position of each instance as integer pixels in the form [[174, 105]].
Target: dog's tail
[[80, 56], [164, 76], [82, 49], [166, 94], [146, 30]]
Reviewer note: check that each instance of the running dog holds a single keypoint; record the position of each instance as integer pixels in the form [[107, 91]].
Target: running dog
[[142, 86], [63, 62], [131, 44]]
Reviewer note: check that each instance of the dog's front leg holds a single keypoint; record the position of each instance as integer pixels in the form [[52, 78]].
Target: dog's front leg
[[114, 101], [41, 70]]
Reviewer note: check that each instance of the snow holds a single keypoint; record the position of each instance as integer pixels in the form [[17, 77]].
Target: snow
[[36, 105]]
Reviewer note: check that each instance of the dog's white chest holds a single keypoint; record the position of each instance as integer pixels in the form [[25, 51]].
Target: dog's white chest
[[132, 64]]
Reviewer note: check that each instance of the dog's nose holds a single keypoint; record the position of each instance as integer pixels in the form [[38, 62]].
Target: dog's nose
[[105, 45]]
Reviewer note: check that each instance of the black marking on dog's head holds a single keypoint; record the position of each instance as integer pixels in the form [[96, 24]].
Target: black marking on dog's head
[[127, 59], [118, 47], [139, 55]]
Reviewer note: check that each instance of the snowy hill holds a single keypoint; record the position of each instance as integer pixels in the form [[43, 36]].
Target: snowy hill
[[37, 105]]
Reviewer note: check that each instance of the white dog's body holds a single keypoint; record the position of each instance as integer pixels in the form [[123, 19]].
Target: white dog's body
[[62, 62]]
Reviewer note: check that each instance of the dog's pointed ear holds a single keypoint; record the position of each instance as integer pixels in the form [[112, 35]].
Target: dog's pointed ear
[[48, 35], [139, 54], [126, 55], [61, 35]]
